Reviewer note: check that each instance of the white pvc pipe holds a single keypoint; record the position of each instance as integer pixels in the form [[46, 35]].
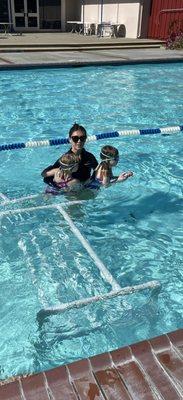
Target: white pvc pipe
[[104, 271], [5, 198], [28, 209], [33, 196], [83, 302]]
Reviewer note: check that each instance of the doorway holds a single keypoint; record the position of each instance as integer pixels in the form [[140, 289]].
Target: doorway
[[50, 14], [25, 14]]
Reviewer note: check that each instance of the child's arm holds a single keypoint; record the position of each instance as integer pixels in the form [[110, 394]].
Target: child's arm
[[103, 175], [122, 177], [106, 181], [125, 175]]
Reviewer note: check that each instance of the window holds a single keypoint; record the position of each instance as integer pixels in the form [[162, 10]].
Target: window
[[4, 16]]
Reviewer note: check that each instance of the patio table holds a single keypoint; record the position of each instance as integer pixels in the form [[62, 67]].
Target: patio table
[[6, 27], [76, 26]]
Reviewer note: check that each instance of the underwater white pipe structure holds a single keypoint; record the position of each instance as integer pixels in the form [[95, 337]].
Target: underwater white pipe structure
[[118, 291], [20, 199], [4, 197], [116, 288], [104, 271], [154, 285]]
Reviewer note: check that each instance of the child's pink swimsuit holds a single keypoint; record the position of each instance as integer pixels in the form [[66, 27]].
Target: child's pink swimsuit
[[57, 189]]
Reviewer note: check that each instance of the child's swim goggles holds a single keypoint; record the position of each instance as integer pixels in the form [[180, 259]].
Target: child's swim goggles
[[64, 166], [108, 157]]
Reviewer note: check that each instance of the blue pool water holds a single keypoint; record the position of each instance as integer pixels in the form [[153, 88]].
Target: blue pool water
[[135, 227]]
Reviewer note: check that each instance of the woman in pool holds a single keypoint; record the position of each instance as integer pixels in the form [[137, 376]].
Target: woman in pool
[[87, 161], [103, 175], [63, 176]]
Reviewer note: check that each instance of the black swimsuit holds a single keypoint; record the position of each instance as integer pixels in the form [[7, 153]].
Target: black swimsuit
[[86, 164]]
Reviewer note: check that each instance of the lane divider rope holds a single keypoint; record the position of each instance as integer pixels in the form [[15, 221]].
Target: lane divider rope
[[99, 136]]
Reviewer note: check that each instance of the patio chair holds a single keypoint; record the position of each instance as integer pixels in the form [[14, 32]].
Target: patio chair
[[105, 29]]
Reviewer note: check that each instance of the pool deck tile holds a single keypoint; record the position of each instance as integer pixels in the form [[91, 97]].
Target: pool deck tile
[[177, 340], [169, 359], [135, 380], [59, 384], [10, 391], [84, 381], [108, 378], [34, 387], [149, 370], [155, 372]]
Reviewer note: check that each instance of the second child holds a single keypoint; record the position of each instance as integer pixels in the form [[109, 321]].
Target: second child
[[103, 174]]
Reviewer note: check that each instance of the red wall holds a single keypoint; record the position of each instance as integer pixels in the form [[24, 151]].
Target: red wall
[[160, 22]]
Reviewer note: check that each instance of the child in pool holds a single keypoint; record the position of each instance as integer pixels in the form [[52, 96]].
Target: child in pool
[[103, 175], [62, 176]]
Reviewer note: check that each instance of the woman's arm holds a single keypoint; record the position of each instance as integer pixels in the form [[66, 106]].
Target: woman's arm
[[51, 172], [46, 170]]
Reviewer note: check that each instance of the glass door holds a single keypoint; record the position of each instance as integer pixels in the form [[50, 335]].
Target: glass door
[[25, 14], [50, 14]]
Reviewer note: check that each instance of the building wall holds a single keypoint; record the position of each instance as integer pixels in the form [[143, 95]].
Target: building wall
[[72, 10], [132, 15], [128, 15], [91, 11], [124, 12]]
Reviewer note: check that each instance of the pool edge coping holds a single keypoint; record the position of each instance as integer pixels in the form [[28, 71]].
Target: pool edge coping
[[76, 64]]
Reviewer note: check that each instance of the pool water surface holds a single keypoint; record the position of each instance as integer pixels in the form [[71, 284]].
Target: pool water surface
[[134, 227]]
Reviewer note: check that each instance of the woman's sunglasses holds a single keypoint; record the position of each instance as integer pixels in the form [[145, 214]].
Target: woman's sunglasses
[[77, 138]]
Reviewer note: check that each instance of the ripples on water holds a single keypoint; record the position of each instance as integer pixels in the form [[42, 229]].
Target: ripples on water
[[134, 227]]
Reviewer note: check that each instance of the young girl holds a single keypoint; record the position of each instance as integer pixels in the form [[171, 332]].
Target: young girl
[[103, 175], [62, 176]]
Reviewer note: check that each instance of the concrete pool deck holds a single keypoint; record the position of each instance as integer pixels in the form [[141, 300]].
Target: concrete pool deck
[[51, 49]]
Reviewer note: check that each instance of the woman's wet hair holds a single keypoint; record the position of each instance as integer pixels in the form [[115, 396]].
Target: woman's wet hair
[[68, 161], [109, 153], [77, 127]]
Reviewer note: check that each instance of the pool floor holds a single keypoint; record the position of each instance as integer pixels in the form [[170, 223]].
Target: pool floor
[[146, 370]]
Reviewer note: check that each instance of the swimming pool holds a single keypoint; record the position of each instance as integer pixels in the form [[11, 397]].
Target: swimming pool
[[135, 227]]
